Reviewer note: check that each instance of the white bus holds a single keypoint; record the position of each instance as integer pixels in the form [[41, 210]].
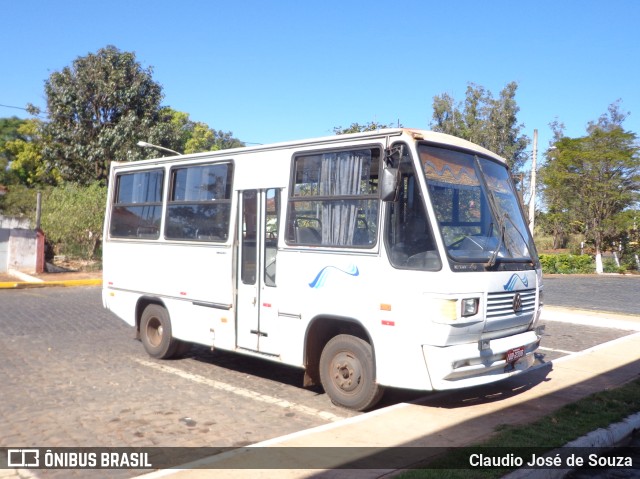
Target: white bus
[[394, 258]]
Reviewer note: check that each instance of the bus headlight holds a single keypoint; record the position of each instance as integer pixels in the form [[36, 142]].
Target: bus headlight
[[448, 310], [469, 307]]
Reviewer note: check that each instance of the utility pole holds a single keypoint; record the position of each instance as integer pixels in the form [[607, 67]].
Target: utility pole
[[532, 200]]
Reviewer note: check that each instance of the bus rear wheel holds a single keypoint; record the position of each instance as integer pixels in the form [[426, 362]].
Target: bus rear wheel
[[347, 373], [155, 333]]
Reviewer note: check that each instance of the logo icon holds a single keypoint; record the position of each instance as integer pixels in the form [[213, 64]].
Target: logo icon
[[511, 284], [325, 272], [517, 303], [23, 457]]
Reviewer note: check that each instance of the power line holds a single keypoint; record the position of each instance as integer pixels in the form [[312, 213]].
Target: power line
[[14, 107], [2, 105]]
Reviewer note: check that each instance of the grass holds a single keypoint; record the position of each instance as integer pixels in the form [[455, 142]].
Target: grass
[[552, 431]]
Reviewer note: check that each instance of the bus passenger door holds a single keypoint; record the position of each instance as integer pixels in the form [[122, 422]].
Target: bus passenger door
[[257, 248]]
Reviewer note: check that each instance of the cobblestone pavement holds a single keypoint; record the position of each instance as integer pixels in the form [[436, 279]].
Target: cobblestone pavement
[[71, 376]]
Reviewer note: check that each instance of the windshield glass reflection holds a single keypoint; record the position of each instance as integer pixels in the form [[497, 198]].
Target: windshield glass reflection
[[476, 207]]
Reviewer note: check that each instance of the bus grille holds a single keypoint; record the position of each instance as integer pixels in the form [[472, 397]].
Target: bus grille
[[500, 305]]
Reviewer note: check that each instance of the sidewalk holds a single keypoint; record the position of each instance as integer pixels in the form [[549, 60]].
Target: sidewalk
[[448, 419]]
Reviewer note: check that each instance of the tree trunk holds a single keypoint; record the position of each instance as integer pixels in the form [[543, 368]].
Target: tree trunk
[[599, 268]]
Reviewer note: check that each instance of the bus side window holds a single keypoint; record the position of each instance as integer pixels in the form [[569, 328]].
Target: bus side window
[[137, 205], [199, 203], [409, 237], [249, 221], [334, 198]]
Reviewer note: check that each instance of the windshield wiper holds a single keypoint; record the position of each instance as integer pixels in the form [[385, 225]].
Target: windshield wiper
[[494, 211], [503, 228], [492, 260]]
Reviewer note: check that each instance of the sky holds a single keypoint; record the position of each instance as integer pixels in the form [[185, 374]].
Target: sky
[[272, 71]]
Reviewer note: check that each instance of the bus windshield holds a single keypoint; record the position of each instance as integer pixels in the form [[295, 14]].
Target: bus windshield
[[476, 207]]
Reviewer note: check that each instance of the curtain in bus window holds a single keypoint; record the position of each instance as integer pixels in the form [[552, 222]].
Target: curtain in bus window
[[449, 168], [341, 175]]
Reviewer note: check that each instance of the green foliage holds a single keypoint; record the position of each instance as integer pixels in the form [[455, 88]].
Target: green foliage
[[72, 218], [559, 226], [20, 202], [567, 264], [358, 128], [176, 131], [98, 109], [224, 140], [202, 139], [8, 133], [484, 120], [590, 180], [610, 266], [172, 130], [27, 165]]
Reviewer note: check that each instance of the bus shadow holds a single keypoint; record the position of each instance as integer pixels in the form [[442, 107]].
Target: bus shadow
[[292, 376], [489, 393], [254, 366]]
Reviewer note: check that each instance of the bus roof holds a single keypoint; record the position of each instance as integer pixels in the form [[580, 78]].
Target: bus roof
[[411, 133]]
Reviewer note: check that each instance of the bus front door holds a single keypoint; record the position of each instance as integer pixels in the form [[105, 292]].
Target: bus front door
[[257, 249]]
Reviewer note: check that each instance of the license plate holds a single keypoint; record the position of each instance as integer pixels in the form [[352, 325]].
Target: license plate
[[515, 354]]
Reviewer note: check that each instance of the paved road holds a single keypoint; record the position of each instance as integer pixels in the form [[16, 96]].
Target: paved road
[[613, 293]]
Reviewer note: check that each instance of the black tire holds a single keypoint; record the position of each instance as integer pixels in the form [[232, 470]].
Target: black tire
[[347, 373], [155, 333]]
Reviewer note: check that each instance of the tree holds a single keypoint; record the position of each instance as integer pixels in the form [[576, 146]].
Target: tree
[[98, 109], [484, 120], [358, 128], [594, 177], [171, 130], [8, 133], [175, 130], [223, 140], [204, 138], [27, 165]]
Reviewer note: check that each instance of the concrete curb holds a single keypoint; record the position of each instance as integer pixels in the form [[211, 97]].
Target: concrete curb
[[32, 282], [600, 438], [24, 277]]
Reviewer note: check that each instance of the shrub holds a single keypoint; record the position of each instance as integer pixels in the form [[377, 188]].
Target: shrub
[[19, 202], [609, 266], [72, 218], [566, 264]]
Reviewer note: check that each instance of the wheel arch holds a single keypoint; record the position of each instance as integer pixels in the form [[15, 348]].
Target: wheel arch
[[142, 303], [319, 331]]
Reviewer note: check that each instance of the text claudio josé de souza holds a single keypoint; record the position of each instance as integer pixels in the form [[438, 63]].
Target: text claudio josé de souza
[[570, 460]]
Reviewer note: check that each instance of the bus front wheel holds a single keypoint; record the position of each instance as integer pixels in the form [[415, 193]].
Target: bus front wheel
[[155, 333], [347, 373]]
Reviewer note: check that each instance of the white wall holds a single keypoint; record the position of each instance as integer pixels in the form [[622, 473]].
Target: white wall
[[18, 250]]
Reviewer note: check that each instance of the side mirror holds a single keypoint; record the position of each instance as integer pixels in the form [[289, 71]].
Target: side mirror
[[389, 184], [390, 173]]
